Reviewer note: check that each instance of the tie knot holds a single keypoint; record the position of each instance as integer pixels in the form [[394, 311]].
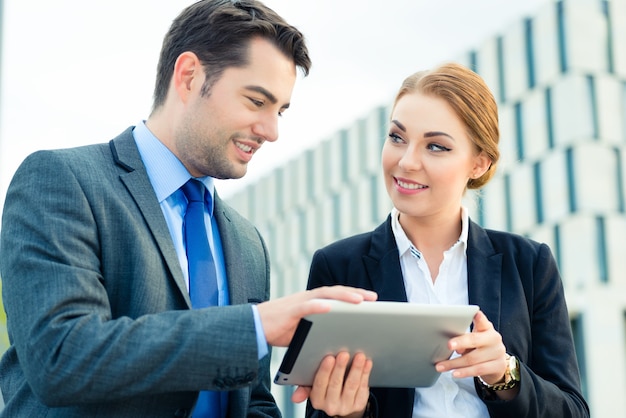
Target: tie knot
[[194, 190]]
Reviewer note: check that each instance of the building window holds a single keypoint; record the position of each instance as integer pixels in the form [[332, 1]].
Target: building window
[[501, 78], [508, 202], [593, 98], [473, 61], [601, 247], [530, 60], [310, 174], [361, 139], [374, 179], [337, 218], [549, 121], [302, 230], [345, 158], [280, 190], [624, 111], [619, 164], [571, 183], [480, 208], [560, 24], [519, 131], [606, 9], [538, 192], [579, 345], [557, 245]]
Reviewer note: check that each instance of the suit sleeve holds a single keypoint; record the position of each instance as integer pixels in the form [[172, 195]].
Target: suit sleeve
[[262, 403], [550, 381], [73, 345]]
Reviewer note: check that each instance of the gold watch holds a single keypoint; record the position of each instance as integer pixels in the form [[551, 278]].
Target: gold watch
[[511, 376]]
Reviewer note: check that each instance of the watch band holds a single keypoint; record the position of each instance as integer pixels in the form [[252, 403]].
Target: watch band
[[511, 376]]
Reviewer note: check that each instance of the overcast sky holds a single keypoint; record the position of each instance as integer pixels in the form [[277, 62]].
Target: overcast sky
[[76, 72]]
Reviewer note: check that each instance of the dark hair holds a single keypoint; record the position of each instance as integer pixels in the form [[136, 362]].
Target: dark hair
[[219, 33], [468, 94]]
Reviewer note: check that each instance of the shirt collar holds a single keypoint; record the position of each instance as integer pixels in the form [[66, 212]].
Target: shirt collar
[[404, 244], [165, 171]]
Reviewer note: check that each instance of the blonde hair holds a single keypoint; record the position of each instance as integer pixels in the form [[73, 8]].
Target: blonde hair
[[470, 98]]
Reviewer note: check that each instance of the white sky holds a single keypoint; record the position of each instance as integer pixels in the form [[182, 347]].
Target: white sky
[[76, 72]]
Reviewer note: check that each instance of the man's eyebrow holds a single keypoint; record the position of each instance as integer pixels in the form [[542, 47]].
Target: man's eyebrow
[[264, 92]]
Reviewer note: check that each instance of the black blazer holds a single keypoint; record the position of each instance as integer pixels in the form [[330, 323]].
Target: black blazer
[[516, 283]]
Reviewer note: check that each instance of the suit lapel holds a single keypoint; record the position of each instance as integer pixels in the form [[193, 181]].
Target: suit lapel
[[126, 154], [484, 270], [240, 261], [383, 265]]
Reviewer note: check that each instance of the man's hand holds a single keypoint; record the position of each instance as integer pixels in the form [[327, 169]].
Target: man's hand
[[281, 316]]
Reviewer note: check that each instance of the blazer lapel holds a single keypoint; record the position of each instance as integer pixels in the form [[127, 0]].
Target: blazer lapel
[[383, 265], [126, 154], [484, 270]]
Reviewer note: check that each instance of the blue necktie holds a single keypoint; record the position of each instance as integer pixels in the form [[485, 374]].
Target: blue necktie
[[202, 276]]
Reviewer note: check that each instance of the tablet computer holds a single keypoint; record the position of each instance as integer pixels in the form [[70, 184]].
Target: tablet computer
[[404, 340]]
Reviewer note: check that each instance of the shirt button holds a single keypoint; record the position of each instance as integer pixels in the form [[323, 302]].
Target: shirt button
[[181, 413]]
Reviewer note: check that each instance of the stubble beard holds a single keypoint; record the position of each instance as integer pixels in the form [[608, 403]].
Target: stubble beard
[[208, 155]]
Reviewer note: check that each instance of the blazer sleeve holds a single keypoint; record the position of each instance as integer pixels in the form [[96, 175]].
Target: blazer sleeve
[[535, 326], [94, 314]]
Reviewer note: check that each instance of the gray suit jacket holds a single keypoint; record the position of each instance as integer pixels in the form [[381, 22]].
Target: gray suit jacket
[[99, 317]]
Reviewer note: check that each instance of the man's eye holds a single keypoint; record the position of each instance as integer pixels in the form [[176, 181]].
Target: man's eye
[[257, 103]]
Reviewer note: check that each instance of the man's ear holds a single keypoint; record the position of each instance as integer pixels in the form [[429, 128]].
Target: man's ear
[[188, 75]]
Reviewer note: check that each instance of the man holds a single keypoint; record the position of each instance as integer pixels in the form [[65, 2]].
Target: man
[[96, 256]]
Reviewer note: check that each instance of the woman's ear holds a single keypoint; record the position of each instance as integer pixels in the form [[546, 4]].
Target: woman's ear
[[481, 164]]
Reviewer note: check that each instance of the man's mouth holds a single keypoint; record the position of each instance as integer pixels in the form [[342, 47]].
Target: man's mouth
[[244, 147]]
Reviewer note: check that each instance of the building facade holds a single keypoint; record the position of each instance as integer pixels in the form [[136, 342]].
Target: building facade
[[560, 79]]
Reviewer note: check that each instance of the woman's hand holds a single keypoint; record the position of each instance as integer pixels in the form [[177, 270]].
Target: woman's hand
[[336, 393], [482, 353]]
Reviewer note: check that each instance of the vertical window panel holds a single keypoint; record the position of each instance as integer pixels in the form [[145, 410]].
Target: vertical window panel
[[560, 16], [593, 100], [609, 34], [620, 175], [508, 202], [519, 131], [579, 344], [530, 53], [549, 121], [571, 180], [538, 193], [501, 69], [601, 249]]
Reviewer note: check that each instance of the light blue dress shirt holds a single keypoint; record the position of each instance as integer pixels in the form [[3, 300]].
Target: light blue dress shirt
[[167, 174]]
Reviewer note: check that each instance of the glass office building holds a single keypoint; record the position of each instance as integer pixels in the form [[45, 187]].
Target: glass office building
[[560, 79]]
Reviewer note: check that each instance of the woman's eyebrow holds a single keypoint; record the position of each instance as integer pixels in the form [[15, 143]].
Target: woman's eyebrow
[[399, 125], [436, 133]]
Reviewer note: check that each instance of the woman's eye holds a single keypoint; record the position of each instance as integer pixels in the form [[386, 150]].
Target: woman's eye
[[395, 138], [438, 148]]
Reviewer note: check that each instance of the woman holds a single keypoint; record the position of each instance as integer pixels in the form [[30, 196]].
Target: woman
[[519, 359]]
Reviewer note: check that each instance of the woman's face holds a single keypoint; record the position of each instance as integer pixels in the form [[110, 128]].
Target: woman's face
[[428, 157]]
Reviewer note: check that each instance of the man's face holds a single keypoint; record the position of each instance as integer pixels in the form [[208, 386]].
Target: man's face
[[219, 133]]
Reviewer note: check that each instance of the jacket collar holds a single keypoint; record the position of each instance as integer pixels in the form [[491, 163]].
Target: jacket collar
[[484, 269]]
